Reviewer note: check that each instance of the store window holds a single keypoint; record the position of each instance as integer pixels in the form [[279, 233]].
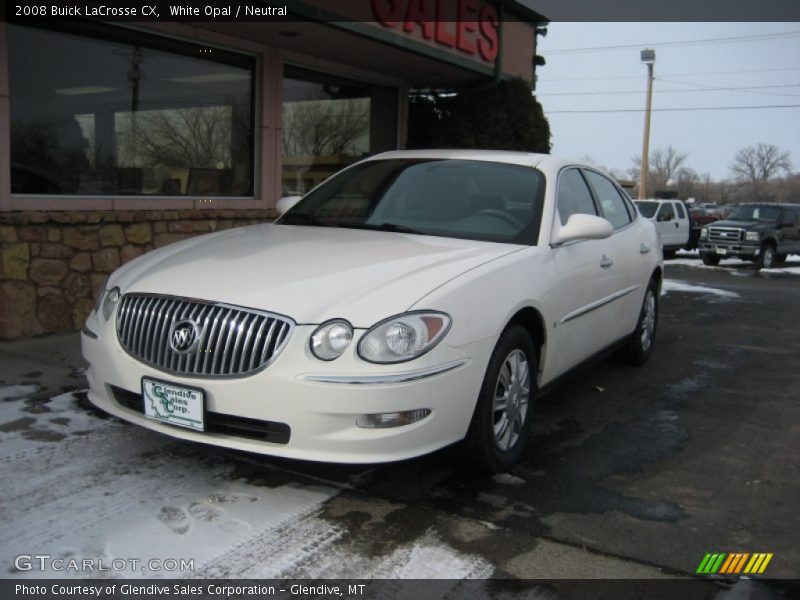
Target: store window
[[329, 123], [112, 111]]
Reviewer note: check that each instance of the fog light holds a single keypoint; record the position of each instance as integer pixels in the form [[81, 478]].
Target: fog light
[[392, 419]]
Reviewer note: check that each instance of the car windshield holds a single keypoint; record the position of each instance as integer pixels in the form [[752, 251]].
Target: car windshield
[[466, 199], [755, 213], [647, 209]]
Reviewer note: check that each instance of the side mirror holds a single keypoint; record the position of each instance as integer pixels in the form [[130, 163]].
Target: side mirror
[[582, 227], [284, 204]]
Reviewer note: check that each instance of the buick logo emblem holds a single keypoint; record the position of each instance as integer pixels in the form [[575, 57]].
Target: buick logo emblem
[[184, 336]]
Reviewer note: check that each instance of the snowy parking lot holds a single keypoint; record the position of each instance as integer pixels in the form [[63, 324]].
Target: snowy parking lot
[[631, 473]]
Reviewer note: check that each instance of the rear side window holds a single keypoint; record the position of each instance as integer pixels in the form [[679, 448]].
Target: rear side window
[[680, 209], [666, 213], [789, 219], [574, 196], [613, 206]]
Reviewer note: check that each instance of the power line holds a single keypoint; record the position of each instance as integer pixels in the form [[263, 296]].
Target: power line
[[672, 91], [700, 42], [545, 79], [681, 109]]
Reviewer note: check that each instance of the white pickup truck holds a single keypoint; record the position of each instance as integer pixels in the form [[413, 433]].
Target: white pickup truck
[[672, 222]]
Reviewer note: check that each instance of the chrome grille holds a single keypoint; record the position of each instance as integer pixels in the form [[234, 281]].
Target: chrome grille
[[724, 234], [233, 341]]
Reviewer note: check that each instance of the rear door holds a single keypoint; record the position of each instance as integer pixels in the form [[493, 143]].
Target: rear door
[[667, 224], [684, 223], [790, 233]]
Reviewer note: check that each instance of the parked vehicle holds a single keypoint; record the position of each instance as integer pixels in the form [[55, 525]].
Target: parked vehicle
[[411, 301], [700, 217], [672, 222], [763, 233]]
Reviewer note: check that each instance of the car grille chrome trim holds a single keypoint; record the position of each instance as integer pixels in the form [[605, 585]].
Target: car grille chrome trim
[[725, 234], [233, 341]]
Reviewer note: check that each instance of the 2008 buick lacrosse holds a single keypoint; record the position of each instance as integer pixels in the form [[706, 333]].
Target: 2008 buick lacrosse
[[413, 300]]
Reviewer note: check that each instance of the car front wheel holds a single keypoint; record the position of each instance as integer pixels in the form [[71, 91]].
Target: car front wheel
[[500, 424], [710, 260], [766, 258]]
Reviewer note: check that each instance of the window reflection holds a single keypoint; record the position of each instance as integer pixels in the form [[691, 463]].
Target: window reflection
[[329, 123], [95, 116]]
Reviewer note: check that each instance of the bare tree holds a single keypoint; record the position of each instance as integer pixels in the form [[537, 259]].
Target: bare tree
[[315, 128], [665, 167], [757, 166]]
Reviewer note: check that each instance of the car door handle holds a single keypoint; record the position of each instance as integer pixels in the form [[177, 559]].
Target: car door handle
[[606, 262], [644, 249]]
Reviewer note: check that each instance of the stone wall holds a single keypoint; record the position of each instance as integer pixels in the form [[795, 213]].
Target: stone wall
[[53, 263]]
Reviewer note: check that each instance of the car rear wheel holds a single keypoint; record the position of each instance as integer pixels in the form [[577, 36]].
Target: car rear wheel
[[640, 345], [710, 260], [500, 425], [766, 258]]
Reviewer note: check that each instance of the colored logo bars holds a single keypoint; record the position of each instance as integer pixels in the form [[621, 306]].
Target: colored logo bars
[[734, 563]]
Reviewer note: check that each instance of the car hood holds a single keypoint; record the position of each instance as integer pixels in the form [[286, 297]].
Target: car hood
[[743, 224], [310, 274]]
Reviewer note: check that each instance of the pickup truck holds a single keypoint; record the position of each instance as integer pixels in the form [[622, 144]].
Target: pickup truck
[[763, 233], [671, 220]]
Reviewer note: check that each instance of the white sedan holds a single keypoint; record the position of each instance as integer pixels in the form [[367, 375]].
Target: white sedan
[[413, 300]]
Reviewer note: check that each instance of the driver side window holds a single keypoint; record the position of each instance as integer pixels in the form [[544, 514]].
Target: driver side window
[[574, 196]]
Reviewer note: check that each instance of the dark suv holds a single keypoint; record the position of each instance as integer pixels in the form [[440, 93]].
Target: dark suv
[[763, 233]]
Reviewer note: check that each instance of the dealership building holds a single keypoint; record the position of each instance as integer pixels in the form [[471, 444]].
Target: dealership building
[[120, 137]]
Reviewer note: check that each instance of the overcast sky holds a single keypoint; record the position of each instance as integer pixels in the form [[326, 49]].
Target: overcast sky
[[688, 75]]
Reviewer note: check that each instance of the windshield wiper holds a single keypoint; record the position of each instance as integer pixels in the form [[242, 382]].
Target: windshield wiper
[[382, 227]]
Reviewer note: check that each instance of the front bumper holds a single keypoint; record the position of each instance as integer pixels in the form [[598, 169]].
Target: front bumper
[[737, 250], [318, 401]]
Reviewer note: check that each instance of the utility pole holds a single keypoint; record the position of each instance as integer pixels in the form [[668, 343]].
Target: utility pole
[[649, 58]]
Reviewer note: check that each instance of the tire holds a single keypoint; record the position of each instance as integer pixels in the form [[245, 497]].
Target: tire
[[640, 345], [710, 260], [766, 258], [497, 436]]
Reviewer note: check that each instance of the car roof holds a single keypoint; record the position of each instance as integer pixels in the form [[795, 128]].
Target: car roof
[[528, 159]]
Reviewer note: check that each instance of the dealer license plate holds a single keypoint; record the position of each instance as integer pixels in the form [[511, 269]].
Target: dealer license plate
[[173, 404]]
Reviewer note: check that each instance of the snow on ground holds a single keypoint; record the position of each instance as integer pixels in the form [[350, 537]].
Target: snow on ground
[[79, 487], [671, 285], [691, 258], [27, 424]]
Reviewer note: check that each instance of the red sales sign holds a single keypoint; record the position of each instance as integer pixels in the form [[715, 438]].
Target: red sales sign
[[470, 26]]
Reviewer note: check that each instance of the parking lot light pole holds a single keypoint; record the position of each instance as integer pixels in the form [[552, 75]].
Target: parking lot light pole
[[649, 58]]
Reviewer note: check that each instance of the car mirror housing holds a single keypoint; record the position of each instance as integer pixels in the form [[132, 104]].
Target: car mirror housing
[[582, 227], [285, 204]]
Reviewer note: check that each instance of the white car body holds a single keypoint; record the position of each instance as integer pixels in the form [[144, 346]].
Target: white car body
[[583, 295]]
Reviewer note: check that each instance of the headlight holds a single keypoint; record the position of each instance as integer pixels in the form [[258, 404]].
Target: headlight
[[110, 303], [404, 337], [101, 294], [331, 339], [752, 236], [704, 233]]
